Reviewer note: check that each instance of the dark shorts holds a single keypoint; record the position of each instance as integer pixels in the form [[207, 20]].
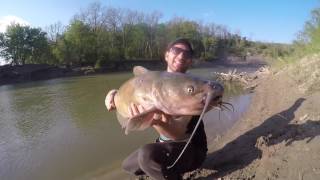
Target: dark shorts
[[153, 159]]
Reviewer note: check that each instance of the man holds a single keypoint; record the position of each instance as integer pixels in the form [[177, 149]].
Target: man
[[153, 159]]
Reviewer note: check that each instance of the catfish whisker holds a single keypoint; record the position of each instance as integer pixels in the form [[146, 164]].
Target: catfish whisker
[[226, 103], [216, 107], [225, 107], [221, 107]]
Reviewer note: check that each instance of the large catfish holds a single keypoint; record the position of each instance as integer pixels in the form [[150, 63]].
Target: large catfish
[[176, 94]]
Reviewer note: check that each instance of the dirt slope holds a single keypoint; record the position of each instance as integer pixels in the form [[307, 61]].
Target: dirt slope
[[278, 138]]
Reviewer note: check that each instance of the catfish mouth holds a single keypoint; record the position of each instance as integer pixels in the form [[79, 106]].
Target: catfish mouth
[[215, 101], [214, 94]]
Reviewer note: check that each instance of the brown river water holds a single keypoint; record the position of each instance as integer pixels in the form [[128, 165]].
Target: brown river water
[[60, 129]]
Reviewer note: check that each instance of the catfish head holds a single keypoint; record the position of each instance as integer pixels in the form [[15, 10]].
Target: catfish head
[[183, 94]]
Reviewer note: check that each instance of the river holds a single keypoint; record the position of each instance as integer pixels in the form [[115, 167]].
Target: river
[[60, 129]]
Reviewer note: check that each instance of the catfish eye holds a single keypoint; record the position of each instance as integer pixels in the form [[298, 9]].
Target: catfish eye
[[190, 89]]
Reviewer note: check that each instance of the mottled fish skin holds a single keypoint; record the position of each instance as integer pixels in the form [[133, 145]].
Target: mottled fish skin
[[175, 94]]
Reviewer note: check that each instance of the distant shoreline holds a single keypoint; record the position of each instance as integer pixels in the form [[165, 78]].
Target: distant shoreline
[[34, 72]]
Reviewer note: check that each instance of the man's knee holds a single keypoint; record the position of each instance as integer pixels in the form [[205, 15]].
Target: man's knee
[[130, 165], [129, 168], [148, 154], [125, 165], [151, 160]]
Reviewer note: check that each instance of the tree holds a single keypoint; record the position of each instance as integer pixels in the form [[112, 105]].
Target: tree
[[152, 21], [137, 42], [312, 30], [79, 42], [54, 31], [23, 44]]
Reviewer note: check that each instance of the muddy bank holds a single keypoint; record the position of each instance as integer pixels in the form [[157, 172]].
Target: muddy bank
[[278, 138], [33, 72], [233, 63]]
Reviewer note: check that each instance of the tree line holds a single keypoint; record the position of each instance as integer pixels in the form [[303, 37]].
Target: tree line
[[308, 40], [99, 34]]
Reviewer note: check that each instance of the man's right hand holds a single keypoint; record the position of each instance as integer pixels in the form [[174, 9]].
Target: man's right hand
[[109, 101], [156, 118]]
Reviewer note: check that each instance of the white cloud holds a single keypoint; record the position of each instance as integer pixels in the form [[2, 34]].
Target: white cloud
[[7, 20]]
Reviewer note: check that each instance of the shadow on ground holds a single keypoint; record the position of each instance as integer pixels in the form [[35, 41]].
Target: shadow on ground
[[242, 151]]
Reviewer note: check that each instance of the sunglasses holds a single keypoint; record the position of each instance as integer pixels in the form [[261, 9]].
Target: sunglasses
[[186, 53]]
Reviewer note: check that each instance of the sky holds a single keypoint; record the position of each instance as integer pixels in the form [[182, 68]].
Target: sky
[[261, 20]]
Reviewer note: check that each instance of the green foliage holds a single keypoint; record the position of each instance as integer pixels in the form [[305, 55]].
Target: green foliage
[[310, 36], [98, 34], [23, 44], [81, 42], [210, 44], [179, 27], [308, 42], [303, 60], [137, 41]]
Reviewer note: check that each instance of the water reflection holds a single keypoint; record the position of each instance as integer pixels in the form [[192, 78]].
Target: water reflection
[[218, 122]]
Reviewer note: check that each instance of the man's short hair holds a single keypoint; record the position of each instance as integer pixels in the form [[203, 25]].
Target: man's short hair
[[184, 41]]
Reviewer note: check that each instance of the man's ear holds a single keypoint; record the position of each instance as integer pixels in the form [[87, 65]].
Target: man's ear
[[190, 63], [166, 56]]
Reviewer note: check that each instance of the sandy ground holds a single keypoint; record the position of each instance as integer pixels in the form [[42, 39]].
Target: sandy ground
[[278, 138]]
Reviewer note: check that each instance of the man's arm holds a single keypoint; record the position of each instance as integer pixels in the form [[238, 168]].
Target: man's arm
[[157, 118], [135, 109]]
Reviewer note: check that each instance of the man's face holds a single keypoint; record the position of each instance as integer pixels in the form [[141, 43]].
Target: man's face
[[179, 58]]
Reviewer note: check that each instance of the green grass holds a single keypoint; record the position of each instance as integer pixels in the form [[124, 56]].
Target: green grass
[[305, 70]]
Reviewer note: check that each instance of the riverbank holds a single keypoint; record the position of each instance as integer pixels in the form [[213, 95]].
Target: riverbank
[[34, 72], [277, 138]]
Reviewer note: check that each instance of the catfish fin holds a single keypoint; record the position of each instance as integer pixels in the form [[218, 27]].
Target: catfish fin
[[141, 121], [122, 120], [138, 70]]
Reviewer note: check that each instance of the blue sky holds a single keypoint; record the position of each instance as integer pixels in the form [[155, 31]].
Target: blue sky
[[264, 20]]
